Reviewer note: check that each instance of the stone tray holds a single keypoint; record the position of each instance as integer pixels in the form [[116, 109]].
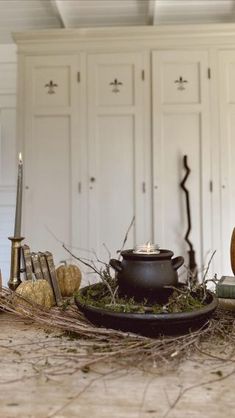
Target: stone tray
[[150, 324]]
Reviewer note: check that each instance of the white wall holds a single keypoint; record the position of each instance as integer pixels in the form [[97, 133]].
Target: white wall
[[7, 152]]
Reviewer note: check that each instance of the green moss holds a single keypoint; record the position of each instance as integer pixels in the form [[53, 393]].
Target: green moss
[[66, 303], [99, 296], [72, 335], [184, 303]]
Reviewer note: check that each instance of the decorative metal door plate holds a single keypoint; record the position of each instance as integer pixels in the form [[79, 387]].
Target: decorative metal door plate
[[51, 87], [115, 83], [181, 82]]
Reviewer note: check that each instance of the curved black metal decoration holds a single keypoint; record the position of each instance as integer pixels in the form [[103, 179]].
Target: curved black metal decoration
[[192, 263]]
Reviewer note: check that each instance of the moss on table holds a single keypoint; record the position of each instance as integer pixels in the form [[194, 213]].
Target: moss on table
[[99, 296]]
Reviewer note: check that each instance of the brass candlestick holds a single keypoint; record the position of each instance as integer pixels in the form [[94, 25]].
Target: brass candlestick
[[15, 280]]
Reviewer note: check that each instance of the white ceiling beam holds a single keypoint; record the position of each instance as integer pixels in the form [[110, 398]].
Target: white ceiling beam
[[56, 6], [151, 11]]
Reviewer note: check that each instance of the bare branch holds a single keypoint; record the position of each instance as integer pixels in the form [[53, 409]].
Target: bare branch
[[126, 236], [108, 251], [208, 266]]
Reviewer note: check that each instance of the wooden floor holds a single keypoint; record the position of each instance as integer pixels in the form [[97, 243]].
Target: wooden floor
[[39, 378]]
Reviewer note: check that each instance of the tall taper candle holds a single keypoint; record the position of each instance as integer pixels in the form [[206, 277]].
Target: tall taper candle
[[18, 212]]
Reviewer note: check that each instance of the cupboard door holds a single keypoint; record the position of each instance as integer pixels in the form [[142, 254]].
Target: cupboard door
[[118, 147], [181, 127], [7, 156], [227, 152], [51, 114]]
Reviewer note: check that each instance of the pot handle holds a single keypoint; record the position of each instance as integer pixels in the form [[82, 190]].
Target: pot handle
[[116, 264], [177, 262]]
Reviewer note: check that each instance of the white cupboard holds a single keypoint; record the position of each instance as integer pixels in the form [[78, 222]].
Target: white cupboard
[[105, 118], [181, 127], [226, 60], [85, 191], [51, 151], [119, 185], [8, 152]]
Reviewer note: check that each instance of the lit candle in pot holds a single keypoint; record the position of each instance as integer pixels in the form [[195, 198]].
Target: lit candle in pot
[[19, 192], [147, 248]]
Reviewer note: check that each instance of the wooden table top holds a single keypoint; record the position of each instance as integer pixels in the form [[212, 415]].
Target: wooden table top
[[39, 378]]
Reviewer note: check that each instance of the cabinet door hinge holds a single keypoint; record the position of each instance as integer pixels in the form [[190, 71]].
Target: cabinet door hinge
[[209, 73], [211, 186], [78, 77], [79, 187], [143, 75], [143, 187]]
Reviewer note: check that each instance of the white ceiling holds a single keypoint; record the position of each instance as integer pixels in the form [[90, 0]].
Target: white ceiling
[[23, 15]]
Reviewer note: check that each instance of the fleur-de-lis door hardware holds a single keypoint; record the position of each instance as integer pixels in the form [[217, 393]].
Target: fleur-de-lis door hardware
[[181, 82], [51, 87], [115, 83]]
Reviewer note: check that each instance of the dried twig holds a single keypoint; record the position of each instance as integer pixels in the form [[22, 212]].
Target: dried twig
[[108, 251], [104, 274], [126, 237], [182, 391], [208, 266], [98, 344], [204, 281]]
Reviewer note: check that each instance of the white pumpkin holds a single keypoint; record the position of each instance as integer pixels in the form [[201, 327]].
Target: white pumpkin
[[69, 279]]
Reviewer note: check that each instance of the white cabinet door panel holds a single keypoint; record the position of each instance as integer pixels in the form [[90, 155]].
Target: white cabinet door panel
[[176, 144], [51, 150], [7, 184], [112, 205], [51, 86], [48, 197], [227, 152], [181, 127], [180, 83], [8, 160], [117, 149], [7, 146], [113, 91]]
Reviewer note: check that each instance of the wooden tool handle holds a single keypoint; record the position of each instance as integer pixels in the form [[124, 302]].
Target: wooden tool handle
[[232, 251]]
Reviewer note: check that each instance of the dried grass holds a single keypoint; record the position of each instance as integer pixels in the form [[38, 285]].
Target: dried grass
[[98, 344]]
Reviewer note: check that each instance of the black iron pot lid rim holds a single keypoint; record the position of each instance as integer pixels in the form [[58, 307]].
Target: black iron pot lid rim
[[163, 255], [180, 316]]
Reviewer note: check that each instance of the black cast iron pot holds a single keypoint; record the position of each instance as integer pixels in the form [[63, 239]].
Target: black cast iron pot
[[147, 275]]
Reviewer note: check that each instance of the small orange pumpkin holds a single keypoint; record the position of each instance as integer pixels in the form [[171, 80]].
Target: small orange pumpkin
[[69, 278]]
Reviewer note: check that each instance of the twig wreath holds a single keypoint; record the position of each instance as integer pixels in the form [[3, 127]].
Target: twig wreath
[[96, 344], [99, 344]]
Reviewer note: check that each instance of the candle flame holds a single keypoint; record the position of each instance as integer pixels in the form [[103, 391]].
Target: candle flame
[[148, 247], [20, 158]]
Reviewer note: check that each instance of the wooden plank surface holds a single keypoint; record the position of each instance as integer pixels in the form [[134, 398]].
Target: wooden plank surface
[[40, 377]]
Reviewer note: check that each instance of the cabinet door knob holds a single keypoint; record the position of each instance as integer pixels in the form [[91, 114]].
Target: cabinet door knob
[[92, 179], [27, 187]]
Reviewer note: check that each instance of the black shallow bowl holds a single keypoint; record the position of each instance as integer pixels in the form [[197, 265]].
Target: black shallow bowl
[[149, 324]]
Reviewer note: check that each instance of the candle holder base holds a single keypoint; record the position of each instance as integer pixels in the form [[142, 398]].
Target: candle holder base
[[15, 280]]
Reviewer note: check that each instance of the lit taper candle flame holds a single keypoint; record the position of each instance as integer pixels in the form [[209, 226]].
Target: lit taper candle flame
[[148, 247]]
